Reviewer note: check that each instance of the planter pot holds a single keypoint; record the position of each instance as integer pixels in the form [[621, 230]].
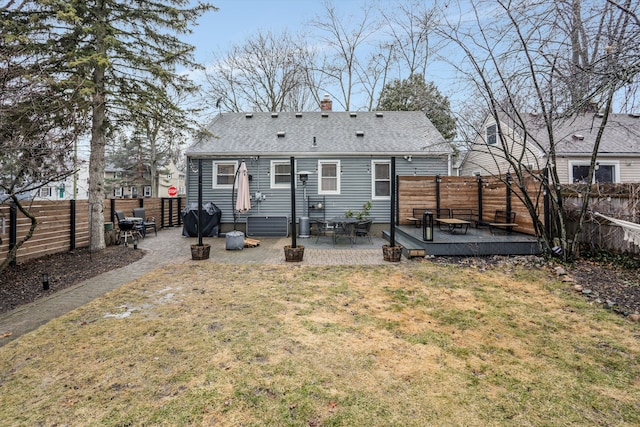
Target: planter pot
[[200, 252], [293, 254], [392, 253]]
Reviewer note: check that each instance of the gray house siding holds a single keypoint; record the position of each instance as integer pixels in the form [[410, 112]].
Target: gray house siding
[[354, 139], [355, 186]]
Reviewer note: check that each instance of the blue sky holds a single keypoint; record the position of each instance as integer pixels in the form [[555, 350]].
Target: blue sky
[[238, 20]]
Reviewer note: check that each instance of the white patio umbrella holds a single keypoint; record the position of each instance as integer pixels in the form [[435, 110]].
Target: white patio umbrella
[[243, 204]]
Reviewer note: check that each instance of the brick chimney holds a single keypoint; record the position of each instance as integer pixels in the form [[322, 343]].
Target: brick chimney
[[326, 104]]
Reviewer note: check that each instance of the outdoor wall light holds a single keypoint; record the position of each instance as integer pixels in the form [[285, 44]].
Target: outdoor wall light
[[408, 158], [304, 176], [45, 281]]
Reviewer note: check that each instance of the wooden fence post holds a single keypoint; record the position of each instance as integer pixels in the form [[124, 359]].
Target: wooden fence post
[[508, 195], [480, 221]]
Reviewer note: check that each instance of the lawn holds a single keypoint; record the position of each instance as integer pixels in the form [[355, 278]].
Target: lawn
[[395, 345]]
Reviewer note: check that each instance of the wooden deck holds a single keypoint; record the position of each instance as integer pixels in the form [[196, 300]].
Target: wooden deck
[[476, 242]]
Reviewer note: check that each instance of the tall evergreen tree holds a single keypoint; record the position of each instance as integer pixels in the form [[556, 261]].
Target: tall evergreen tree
[[126, 53], [414, 94]]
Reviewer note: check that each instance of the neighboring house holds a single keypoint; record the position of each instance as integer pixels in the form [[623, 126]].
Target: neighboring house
[[347, 154], [121, 183], [63, 189], [171, 176], [618, 158]]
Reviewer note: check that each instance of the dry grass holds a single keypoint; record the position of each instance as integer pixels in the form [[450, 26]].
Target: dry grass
[[414, 344]]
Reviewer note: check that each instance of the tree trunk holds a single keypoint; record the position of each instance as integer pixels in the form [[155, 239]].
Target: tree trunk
[[98, 143]]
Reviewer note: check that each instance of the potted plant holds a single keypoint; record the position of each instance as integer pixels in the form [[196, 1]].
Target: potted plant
[[363, 214]]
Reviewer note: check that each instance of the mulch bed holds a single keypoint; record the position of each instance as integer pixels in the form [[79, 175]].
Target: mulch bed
[[22, 284]]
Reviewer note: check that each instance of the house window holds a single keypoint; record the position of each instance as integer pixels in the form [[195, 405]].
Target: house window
[[117, 192], [147, 191], [492, 132], [45, 192], [134, 192], [605, 172], [329, 177], [224, 174], [280, 174], [381, 179]]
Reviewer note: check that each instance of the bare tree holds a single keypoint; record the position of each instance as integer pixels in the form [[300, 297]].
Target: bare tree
[[267, 73], [552, 59], [410, 27], [344, 37]]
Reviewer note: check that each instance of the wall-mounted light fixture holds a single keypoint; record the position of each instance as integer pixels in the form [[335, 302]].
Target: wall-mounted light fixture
[[408, 158], [304, 176]]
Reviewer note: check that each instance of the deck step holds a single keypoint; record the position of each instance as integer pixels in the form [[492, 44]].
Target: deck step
[[409, 248]]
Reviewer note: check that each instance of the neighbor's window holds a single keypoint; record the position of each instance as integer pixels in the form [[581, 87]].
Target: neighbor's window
[[604, 173], [492, 132], [147, 191], [134, 192], [328, 177], [280, 174], [224, 174], [381, 179], [117, 191], [45, 191]]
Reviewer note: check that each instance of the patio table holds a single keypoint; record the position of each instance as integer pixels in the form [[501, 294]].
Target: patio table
[[347, 224], [454, 224]]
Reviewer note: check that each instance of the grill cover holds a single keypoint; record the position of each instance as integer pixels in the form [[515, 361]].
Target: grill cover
[[210, 220]]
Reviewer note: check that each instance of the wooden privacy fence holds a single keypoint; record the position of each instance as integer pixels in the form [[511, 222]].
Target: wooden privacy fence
[[620, 201], [484, 195], [64, 224]]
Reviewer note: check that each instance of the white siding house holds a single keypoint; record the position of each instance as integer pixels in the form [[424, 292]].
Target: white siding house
[[618, 158]]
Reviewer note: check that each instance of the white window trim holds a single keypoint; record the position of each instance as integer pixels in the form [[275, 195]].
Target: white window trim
[[117, 192], [272, 174], [373, 179], [614, 163], [44, 192], [147, 191], [215, 173], [338, 173], [486, 134]]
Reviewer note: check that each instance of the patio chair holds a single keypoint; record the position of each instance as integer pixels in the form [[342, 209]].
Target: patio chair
[[147, 222], [343, 230], [324, 228], [362, 229]]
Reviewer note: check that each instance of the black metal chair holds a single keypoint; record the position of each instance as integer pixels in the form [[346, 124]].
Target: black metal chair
[[363, 229], [147, 222]]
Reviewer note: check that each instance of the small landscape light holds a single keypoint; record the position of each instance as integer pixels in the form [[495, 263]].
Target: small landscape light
[[45, 281]]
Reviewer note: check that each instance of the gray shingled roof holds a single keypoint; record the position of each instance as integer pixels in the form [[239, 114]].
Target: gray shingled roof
[[383, 133], [621, 135]]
